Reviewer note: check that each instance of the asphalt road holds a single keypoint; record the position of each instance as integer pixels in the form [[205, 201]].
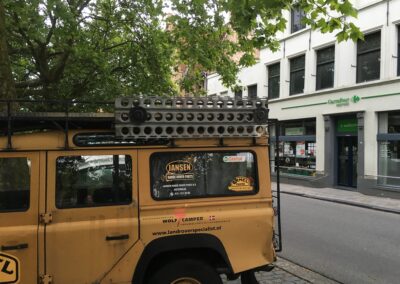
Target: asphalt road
[[346, 243]]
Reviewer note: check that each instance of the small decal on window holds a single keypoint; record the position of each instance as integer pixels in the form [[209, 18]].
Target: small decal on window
[[241, 184], [179, 170], [234, 159]]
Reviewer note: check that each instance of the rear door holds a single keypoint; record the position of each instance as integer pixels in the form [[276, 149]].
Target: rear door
[[19, 198], [91, 196]]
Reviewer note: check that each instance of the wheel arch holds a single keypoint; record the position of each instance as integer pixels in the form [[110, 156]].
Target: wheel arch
[[200, 245]]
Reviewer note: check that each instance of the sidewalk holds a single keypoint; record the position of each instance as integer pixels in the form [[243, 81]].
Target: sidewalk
[[343, 196], [286, 272]]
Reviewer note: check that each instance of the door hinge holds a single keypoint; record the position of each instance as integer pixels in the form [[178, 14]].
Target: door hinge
[[46, 279], [46, 218]]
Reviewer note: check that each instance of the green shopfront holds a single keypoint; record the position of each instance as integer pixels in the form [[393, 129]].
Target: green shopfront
[[349, 141]]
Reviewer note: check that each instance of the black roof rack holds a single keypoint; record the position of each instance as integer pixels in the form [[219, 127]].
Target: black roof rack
[[28, 115]]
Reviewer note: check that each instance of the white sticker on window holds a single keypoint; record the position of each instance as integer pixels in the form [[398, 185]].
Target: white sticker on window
[[234, 159]]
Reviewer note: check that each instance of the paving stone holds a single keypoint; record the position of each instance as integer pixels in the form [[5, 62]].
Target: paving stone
[[286, 272]]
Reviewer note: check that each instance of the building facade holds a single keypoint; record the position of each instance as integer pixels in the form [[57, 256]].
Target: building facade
[[338, 103]]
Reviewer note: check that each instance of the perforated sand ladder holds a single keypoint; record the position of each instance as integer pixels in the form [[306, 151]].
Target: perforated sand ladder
[[183, 117]]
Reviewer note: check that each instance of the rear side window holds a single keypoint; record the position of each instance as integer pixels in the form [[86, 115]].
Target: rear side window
[[14, 184], [202, 174], [89, 181]]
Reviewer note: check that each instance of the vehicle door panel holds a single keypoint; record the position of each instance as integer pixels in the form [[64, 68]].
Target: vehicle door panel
[[19, 198], [85, 241]]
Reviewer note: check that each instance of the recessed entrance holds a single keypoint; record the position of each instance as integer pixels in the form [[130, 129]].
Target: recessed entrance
[[347, 161], [347, 151]]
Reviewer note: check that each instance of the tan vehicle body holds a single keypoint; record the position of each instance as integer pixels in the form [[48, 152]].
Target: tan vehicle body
[[71, 245]]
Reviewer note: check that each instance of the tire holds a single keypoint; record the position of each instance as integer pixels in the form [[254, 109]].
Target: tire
[[248, 277], [190, 270]]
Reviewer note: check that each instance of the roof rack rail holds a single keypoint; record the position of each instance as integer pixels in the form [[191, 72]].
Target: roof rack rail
[[21, 115], [186, 117]]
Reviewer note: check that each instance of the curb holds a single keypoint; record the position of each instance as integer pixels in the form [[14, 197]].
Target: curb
[[303, 273], [340, 201]]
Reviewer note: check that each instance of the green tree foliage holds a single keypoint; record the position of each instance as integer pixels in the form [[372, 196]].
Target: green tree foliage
[[99, 49]]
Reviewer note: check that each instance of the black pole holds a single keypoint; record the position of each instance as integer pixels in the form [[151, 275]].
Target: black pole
[[278, 184], [9, 126]]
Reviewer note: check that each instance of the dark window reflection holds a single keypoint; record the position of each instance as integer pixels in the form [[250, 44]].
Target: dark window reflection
[[297, 66], [202, 174], [325, 68], [369, 58], [273, 80], [87, 181], [14, 184], [296, 16]]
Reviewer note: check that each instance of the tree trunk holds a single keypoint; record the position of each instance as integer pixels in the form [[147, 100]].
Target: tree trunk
[[7, 85]]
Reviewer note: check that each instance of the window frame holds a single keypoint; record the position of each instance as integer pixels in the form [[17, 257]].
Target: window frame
[[238, 94], [295, 71], [366, 52], [31, 171], [96, 205], [251, 87], [318, 77], [238, 194], [298, 26], [278, 76]]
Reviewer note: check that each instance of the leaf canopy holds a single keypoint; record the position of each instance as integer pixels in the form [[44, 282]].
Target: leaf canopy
[[100, 49]]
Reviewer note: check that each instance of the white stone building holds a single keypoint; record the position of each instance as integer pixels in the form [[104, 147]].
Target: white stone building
[[338, 103]]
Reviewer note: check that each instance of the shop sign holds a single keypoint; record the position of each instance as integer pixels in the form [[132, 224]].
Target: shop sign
[[347, 125], [290, 131], [344, 101]]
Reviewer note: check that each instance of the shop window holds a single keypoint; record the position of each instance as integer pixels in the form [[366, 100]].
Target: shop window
[[202, 174], [89, 181], [297, 148], [297, 15], [252, 91], [273, 81], [389, 163], [398, 50], [325, 68], [297, 67], [389, 149], [14, 184], [369, 57]]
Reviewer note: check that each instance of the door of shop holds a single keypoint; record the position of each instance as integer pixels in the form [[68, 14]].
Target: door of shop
[[347, 161]]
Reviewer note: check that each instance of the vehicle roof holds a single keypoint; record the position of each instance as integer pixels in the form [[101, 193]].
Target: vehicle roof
[[55, 140]]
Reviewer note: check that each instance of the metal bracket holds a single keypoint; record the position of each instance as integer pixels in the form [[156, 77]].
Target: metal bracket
[[46, 218], [46, 279]]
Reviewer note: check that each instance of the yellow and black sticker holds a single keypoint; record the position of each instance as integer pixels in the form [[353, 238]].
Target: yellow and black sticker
[[179, 170], [9, 269], [241, 184]]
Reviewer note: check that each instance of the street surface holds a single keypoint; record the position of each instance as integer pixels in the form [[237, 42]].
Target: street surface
[[345, 243], [286, 272]]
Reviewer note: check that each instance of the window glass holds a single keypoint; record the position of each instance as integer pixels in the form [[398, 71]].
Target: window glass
[[389, 163], [394, 122], [14, 184], [325, 68], [202, 174], [238, 94], [273, 81], [297, 75], [297, 153], [368, 58], [252, 91], [398, 50], [88, 181], [297, 16], [297, 157]]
